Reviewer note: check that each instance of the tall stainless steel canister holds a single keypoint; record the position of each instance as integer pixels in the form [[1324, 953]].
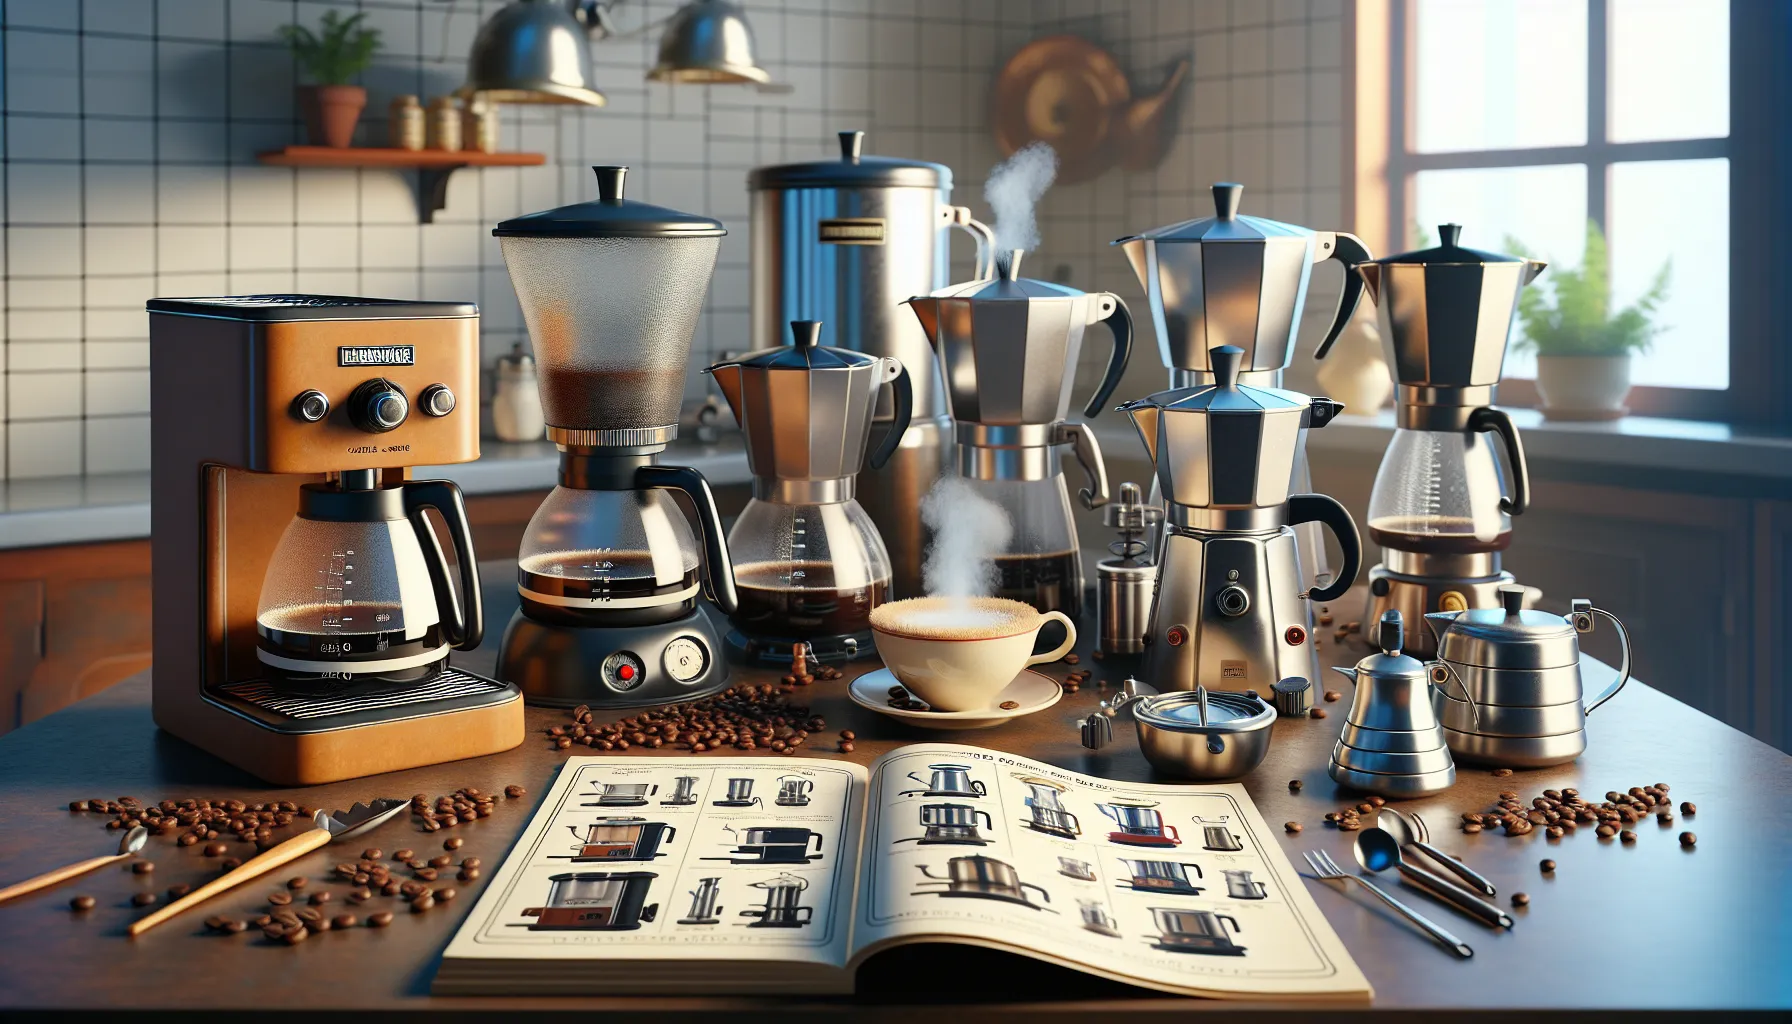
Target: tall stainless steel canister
[[846, 242]]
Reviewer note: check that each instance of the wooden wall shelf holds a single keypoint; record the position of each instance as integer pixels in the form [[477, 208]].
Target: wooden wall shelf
[[433, 166]]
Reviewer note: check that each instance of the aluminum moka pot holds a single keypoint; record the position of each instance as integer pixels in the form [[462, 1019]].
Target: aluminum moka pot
[[1230, 279], [1518, 671], [806, 409], [1392, 744]]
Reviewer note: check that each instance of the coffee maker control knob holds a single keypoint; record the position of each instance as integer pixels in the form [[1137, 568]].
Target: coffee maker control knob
[[378, 405], [436, 400], [311, 405]]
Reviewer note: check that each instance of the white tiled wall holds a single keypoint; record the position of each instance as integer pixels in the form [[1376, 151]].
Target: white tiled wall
[[131, 128]]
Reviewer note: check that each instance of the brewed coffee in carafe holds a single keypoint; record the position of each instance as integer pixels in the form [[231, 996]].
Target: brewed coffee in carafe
[[1440, 492]]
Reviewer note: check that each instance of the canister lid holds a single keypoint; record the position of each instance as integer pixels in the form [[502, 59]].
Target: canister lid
[[1226, 224], [610, 216], [1226, 712], [1449, 252], [852, 170], [1510, 636]]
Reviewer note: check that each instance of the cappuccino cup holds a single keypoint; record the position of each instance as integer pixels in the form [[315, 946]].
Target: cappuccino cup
[[958, 653]]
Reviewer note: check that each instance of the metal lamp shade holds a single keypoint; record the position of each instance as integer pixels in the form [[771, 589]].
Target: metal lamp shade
[[532, 51], [708, 42]]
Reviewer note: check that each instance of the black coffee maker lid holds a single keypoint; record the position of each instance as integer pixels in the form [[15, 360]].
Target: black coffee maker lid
[[805, 352], [1450, 251], [610, 216]]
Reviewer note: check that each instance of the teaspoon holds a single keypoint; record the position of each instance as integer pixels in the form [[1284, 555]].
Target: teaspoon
[[130, 844], [1394, 822], [1377, 850]]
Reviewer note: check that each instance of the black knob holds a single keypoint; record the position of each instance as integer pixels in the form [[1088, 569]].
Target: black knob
[[436, 400], [311, 406], [1233, 601], [1379, 586], [378, 405], [1390, 635]]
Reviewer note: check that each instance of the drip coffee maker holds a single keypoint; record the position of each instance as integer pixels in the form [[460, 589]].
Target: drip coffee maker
[[1231, 610], [619, 838], [1141, 824], [1232, 279], [1440, 509], [808, 562], [609, 567], [595, 901], [1007, 350], [314, 647]]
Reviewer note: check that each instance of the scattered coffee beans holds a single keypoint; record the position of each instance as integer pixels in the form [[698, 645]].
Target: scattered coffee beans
[[1316, 713], [422, 903], [175, 892], [318, 899], [1332, 696], [373, 854], [1627, 836], [215, 849], [1688, 808], [1291, 827], [1688, 839], [379, 920], [453, 843], [1294, 785], [745, 717], [1520, 899], [1546, 865], [142, 867], [82, 903], [297, 882], [143, 899], [279, 899]]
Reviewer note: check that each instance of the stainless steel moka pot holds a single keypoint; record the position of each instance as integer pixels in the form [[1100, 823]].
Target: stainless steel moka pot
[[1231, 610], [845, 241], [809, 564], [1007, 350], [1440, 508], [1233, 279]]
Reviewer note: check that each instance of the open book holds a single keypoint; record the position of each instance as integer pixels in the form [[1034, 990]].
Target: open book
[[761, 875]]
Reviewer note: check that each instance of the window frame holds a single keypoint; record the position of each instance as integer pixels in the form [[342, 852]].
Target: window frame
[[1756, 147]]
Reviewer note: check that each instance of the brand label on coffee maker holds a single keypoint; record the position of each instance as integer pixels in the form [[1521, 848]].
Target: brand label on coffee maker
[[376, 355], [852, 231]]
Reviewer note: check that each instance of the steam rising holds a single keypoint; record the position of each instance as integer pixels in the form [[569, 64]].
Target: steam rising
[[1013, 189], [968, 530]]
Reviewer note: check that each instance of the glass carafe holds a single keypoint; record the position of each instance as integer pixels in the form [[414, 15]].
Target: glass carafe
[[628, 556], [1440, 492], [1041, 564], [804, 571]]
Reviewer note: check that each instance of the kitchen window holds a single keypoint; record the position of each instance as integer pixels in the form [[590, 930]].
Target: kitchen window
[[1523, 120]]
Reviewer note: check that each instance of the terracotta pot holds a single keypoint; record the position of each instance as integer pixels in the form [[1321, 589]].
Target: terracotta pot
[[1583, 387], [331, 113]]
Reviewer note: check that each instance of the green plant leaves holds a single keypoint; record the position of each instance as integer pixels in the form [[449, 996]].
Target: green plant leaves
[[1570, 314], [339, 51]]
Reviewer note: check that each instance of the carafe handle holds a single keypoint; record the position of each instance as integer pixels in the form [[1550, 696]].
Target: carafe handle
[[1119, 321], [1488, 419], [717, 568], [817, 837], [905, 407], [463, 620], [1088, 455], [1623, 644], [988, 822], [1349, 250], [1230, 918], [1324, 509]]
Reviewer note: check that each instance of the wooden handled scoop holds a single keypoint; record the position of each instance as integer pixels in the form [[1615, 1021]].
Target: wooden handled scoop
[[130, 844], [331, 828]]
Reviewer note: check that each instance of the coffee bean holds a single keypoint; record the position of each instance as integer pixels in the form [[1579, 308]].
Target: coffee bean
[[82, 903], [215, 849], [1500, 773], [422, 903], [1471, 828], [379, 920], [1606, 831], [1688, 839], [1071, 659], [1332, 696], [403, 855], [143, 899], [294, 936], [445, 894], [142, 867], [371, 854], [319, 899], [297, 882], [1520, 899], [453, 843], [1627, 836], [391, 889], [1316, 713], [425, 874], [279, 899], [1291, 827], [1688, 808], [1294, 785], [440, 861], [1546, 865]]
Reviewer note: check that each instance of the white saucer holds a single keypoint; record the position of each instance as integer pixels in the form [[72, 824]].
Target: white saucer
[[1032, 691]]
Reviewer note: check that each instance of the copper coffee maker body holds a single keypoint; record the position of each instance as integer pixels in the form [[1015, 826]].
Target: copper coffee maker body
[[255, 395]]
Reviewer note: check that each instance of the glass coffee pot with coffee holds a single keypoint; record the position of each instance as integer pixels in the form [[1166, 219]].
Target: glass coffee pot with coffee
[[357, 594], [809, 564], [1008, 351], [1442, 508]]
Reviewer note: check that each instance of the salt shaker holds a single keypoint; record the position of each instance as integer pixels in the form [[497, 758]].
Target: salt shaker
[[444, 123], [404, 123], [516, 402]]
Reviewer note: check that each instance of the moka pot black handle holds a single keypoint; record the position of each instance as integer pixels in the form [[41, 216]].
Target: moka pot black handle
[[1325, 509], [1120, 323]]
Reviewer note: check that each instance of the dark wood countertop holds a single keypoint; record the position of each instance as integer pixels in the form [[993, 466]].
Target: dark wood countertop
[[1646, 926]]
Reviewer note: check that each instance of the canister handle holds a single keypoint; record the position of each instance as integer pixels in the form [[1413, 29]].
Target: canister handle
[[1322, 508], [1349, 250], [1119, 321], [1488, 419], [960, 217], [717, 567], [1623, 643], [905, 407], [1088, 455], [462, 620]]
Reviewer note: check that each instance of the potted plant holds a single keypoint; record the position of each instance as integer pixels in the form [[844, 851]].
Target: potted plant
[[338, 51], [1583, 347]]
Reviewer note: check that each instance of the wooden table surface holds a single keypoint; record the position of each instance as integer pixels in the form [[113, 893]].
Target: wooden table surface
[[1644, 926]]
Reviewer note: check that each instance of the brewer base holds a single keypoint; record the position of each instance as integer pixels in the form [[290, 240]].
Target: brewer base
[[1415, 596], [774, 652], [613, 666]]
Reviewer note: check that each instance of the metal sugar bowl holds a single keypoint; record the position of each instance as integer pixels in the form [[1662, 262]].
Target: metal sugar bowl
[[1392, 744], [1190, 734], [1519, 672]]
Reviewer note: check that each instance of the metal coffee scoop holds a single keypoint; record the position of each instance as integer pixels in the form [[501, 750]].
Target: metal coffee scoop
[[331, 827], [1377, 850], [130, 844]]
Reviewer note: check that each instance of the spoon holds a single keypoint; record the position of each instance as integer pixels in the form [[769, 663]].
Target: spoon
[[1394, 822], [130, 844], [1377, 850]]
